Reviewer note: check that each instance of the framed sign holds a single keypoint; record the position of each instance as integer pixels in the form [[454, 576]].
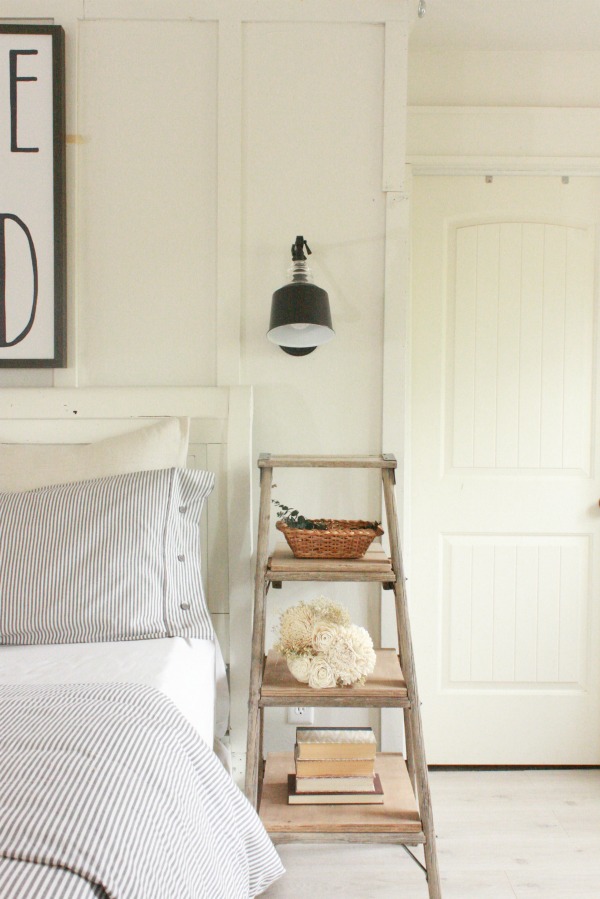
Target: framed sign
[[32, 197]]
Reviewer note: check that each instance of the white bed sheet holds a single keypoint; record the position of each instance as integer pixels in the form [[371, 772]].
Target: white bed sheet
[[190, 672]]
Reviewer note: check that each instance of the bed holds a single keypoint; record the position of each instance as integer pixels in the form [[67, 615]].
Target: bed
[[120, 732]]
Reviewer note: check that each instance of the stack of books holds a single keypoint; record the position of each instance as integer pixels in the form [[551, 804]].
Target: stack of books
[[334, 766]]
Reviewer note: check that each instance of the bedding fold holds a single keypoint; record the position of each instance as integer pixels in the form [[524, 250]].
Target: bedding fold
[[110, 783]]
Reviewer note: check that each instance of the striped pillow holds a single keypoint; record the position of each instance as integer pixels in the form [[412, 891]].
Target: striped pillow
[[116, 558]]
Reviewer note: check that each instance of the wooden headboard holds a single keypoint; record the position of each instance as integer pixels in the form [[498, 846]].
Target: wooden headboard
[[220, 441]]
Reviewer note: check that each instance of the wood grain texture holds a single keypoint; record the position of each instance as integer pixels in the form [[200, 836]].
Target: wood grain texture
[[398, 814], [384, 461], [384, 687]]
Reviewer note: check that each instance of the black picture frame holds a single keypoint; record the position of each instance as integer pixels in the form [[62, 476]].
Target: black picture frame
[[37, 314]]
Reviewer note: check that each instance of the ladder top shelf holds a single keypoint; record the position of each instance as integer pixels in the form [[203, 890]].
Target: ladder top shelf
[[386, 460]]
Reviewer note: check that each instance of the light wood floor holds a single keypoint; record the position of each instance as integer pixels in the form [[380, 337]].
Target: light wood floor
[[501, 835]]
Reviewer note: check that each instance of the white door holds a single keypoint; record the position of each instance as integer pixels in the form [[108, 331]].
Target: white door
[[504, 523]]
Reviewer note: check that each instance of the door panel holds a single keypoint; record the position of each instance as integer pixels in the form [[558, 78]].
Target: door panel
[[503, 573]]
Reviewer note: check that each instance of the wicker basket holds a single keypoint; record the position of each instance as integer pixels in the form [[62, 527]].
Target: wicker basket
[[341, 539]]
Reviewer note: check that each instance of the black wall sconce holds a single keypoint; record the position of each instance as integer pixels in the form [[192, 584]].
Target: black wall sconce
[[300, 316]]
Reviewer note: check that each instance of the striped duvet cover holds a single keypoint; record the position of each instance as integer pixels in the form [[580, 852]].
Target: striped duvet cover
[[107, 791]]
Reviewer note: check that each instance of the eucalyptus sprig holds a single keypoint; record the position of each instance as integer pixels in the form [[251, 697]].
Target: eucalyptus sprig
[[293, 519]]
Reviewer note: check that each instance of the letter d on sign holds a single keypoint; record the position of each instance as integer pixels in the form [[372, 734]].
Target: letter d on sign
[[4, 300]]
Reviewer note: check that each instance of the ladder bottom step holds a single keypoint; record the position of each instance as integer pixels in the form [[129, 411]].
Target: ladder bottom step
[[397, 817], [398, 839]]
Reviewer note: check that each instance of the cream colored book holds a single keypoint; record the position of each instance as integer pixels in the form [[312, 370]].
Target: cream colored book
[[336, 743], [372, 797], [334, 767], [326, 784]]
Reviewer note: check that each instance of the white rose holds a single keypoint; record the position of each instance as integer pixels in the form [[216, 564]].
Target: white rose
[[300, 667], [321, 675], [323, 636]]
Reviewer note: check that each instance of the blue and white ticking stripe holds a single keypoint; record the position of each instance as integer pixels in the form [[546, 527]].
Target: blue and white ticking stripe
[[112, 784], [115, 558]]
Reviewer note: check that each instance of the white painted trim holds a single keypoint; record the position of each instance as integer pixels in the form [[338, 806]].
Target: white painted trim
[[570, 166], [395, 408], [241, 543], [370, 11], [511, 135], [113, 402]]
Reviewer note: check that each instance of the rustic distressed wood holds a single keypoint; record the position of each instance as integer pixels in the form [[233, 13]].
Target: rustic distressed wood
[[405, 816], [410, 749], [406, 839], [258, 637], [374, 559], [398, 813], [362, 575], [408, 667], [385, 687], [385, 461]]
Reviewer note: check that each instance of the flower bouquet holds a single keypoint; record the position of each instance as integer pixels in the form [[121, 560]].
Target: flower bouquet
[[322, 647]]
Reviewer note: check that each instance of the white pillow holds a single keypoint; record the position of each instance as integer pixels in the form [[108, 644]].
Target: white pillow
[[163, 444]]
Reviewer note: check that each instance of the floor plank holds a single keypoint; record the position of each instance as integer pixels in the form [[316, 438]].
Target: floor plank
[[501, 835]]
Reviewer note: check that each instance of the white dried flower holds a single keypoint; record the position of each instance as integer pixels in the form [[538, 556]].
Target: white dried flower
[[328, 610], [295, 629], [321, 645], [321, 675], [300, 667], [324, 634], [363, 647]]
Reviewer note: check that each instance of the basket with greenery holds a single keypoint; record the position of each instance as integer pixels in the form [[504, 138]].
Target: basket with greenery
[[325, 538]]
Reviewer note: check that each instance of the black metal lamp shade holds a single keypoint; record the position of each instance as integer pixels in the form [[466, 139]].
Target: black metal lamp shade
[[300, 315]]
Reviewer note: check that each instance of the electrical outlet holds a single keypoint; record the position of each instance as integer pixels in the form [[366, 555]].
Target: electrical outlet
[[299, 714]]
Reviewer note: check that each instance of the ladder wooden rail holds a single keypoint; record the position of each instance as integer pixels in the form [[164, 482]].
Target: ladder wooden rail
[[385, 460], [408, 818]]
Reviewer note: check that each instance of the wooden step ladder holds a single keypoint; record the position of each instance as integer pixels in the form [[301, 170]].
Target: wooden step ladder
[[406, 817]]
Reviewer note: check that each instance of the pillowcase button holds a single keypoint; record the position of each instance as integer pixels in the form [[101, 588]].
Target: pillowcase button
[[182, 509], [185, 606], [181, 558]]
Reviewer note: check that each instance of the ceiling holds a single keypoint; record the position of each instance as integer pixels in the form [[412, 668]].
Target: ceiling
[[507, 25]]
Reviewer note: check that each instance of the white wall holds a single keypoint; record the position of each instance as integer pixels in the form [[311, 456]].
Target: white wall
[[203, 136], [451, 77]]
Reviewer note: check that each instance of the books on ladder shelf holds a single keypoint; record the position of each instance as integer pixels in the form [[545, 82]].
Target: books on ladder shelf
[[334, 766]]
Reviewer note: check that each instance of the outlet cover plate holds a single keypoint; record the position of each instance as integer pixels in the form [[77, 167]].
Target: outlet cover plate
[[300, 714]]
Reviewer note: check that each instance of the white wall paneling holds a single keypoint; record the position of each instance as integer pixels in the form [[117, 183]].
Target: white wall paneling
[[147, 202], [204, 135]]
